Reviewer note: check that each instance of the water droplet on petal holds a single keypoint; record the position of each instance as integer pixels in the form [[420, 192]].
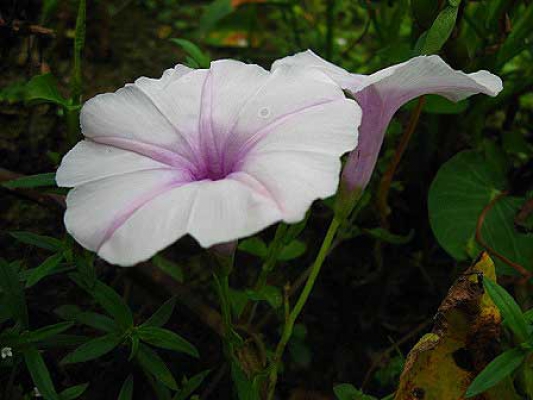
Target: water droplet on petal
[[264, 112]]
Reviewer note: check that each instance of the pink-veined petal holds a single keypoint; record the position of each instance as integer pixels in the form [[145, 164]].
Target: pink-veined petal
[[89, 161], [96, 209]]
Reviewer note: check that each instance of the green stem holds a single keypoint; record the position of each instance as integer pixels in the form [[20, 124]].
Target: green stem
[[73, 125], [293, 316], [222, 284], [270, 262]]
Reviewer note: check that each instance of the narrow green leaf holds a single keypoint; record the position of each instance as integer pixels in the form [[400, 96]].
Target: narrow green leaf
[[255, 246], [270, 294], [499, 368], [246, 390], [345, 391], [191, 385], [155, 366], [32, 181], [389, 237], [93, 349], [44, 88], [47, 332], [39, 373], [168, 267], [13, 293], [43, 242], [293, 250], [166, 339], [162, 315], [113, 304], [126, 392], [215, 12], [193, 51], [519, 38], [73, 392], [440, 31], [511, 312], [94, 320], [48, 267]]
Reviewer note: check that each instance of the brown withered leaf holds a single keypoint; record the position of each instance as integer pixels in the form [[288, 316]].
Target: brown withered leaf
[[464, 339]]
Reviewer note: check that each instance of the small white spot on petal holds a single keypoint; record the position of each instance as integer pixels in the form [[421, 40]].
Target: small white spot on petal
[[264, 112]]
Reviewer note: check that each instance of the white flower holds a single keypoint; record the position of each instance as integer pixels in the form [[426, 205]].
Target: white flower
[[219, 154], [381, 94], [6, 352]]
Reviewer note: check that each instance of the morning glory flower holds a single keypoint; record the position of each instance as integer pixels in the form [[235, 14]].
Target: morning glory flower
[[381, 94], [218, 153], [6, 352]]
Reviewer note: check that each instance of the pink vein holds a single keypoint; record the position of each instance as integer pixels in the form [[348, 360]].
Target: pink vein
[[128, 211]]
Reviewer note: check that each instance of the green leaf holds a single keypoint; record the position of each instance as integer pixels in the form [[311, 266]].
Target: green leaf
[[168, 267], [48, 267], [215, 12], [39, 373], [126, 392], [155, 366], [162, 315], [519, 38], [194, 52], [238, 300], [32, 181], [13, 294], [345, 391], [113, 304], [166, 339], [43, 242], [73, 392], [246, 389], [255, 246], [270, 294], [463, 187], [389, 237], [499, 368], [293, 250], [94, 320], [93, 349], [44, 88], [135, 342], [441, 30], [511, 312], [436, 104], [47, 332], [191, 385]]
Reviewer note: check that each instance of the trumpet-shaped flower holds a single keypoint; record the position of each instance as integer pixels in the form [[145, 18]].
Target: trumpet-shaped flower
[[381, 94], [217, 153]]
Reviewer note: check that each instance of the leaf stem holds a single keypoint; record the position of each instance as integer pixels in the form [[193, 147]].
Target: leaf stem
[[304, 295]]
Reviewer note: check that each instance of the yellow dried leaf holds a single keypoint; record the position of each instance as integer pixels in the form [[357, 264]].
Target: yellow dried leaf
[[464, 339]]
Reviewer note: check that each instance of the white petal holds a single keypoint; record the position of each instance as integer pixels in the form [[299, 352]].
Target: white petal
[[298, 161], [89, 161], [96, 209], [152, 227], [227, 210], [309, 60], [293, 179], [212, 212], [428, 74]]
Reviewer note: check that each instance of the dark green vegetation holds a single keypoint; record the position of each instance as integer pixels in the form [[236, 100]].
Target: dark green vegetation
[[80, 328]]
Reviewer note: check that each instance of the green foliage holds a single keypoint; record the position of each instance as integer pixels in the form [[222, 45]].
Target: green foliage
[[126, 392], [165, 339], [510, 310], [441, 30], [168, 267], [345, 391], [32, 181], [152, 364], [462, 189], [196, 58], [499, 368]]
